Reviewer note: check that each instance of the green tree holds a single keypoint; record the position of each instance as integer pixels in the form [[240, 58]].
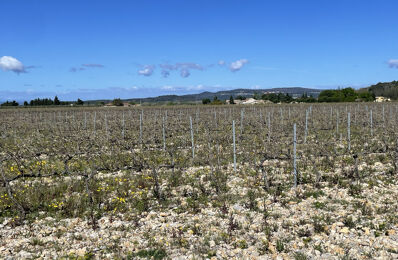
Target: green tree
[[206, 101], [56, 101], [117, 102], [367, 96], [231, 100], [79, 102], [329, 96], [349, 95], [257, 96], [216, 101], [42, 102], [10, 104], [339, 95], [385, 89]]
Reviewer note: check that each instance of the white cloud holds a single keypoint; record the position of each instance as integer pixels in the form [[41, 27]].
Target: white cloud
[[237, 65], [93, 65], [188, 65], [168, 88], [8, 63], [185, 73], [147, 70], [165, 73], [167, 66], [86, 65], [183, 67], [74, 69], [182, 90], [197, 87], [393, 63]]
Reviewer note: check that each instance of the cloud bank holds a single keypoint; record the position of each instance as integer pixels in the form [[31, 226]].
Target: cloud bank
[[93, 65], [8, 63], [86, 66], [74, 69], [185, 68]]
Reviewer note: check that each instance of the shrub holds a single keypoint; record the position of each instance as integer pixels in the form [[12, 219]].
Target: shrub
[[117, 102], [206, 101]]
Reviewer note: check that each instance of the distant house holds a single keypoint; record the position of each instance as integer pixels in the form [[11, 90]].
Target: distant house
[[252, 101], [382, 99], [249, 101]]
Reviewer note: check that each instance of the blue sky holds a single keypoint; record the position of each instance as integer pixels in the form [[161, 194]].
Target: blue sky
[[129, 49]]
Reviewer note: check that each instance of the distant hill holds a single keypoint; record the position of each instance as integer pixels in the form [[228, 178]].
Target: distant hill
[[385, 89], [225, 94]]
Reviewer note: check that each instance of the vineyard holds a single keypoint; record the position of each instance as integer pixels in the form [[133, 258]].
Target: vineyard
[[247, 182]]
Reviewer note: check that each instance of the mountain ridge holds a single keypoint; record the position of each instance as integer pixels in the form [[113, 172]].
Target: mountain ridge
[[223, 95]]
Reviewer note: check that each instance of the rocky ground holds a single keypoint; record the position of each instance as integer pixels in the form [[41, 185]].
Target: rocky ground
[[334, 219]]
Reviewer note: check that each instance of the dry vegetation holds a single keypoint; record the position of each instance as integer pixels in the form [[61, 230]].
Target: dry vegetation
[[124, 183]]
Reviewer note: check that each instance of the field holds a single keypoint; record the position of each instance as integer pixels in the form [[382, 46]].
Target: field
[[198, 182]]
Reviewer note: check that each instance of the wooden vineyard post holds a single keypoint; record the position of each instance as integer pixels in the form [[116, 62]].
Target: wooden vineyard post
[[123, 125], [371, 123], [193, 147], [164, 135], [306, 126], [233, 137], [141, 129], [349, 130], [294, 156], [95, 119]]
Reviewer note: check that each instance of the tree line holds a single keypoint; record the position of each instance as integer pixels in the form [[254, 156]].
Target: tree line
[[385, 89], [389, 89], [338, 95], [43, 102]]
